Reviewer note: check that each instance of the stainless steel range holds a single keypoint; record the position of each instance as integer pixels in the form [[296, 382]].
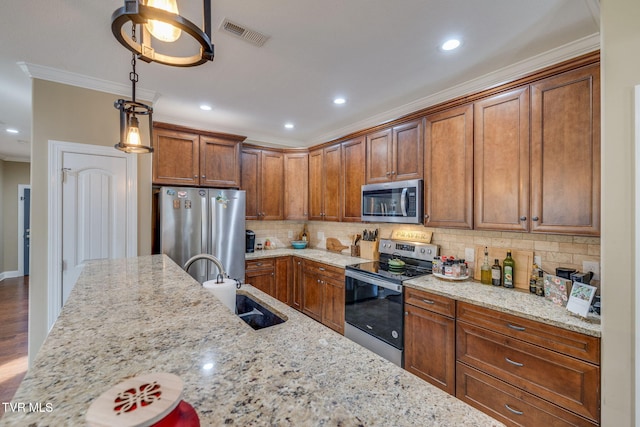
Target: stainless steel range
[[374, 312]]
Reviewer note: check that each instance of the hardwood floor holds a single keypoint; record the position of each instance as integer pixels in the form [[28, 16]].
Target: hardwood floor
[[14, 310]]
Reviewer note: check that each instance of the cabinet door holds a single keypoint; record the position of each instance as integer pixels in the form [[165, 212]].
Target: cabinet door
[[296, 283], [176, 157], [379, 156], [429, 347], [250, 174], [316, 165], [296, 186], [271, 185], [333, 304], [262, 279], [331, 187], [565, 153], [501, 160], [353, 177], [283, 280], [312, 295], [219, 162], [448, 188], [407, 161]]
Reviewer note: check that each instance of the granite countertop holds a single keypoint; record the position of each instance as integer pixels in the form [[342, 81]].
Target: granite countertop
[[510, 301], [133, 316]]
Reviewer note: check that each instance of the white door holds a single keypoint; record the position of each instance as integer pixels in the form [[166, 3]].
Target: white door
[[94, 212]]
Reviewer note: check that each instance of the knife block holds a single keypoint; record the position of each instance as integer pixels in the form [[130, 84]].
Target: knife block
[[369, 250]]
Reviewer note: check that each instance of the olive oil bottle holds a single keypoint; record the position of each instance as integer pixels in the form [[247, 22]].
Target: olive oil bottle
[[509, 268], [485, 270]]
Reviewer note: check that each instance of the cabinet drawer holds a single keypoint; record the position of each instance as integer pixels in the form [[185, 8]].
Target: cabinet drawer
[[572, 343], [563, 380], [260, 264], [435, 303], [509, 404], [323, 270]]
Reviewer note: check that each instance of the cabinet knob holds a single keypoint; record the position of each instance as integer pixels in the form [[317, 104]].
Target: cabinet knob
[[523, 218], [393, 172], [203, 177], [426, 216], [195, 176], [535, 218]]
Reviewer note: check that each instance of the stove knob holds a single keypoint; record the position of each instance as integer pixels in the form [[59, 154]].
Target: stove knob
[[429, 251], [422, 250]]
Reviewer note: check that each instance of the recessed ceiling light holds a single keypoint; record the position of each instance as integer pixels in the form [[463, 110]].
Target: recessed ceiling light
[[288, 125], [450, 44], [11, 130], [205, 107], [339, 101]]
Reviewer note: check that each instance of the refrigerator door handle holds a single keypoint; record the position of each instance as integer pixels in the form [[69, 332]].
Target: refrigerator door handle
[[204, 234]]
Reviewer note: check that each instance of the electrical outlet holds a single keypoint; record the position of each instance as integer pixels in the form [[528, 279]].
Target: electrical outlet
[[593, 266], [290, 234], [320, 235], [537, 260], [469, 254]]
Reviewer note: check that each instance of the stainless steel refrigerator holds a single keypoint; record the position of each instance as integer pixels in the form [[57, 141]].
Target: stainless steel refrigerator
[[193, 221]]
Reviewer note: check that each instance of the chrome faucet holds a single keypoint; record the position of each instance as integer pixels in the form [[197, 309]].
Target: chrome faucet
[[209, 257]]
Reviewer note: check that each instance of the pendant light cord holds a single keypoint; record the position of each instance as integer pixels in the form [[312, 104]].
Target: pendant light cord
[[133, 76]]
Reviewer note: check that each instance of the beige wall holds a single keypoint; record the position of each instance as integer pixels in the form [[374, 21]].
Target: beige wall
[[620, 24], [14, 173], [70, 114]]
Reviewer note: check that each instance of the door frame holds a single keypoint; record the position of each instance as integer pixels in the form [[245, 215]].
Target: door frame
[[54, 234], [21, 188]]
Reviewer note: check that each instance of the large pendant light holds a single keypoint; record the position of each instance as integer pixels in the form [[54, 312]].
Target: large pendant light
[[161, 20]]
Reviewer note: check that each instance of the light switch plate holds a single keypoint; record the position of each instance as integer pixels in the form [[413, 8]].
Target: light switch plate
[[469, 254], [593, 266], [290, 234], [320, 235], [537, 260]]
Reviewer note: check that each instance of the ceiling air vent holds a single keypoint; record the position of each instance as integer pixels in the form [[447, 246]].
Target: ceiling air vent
[[244, 33]]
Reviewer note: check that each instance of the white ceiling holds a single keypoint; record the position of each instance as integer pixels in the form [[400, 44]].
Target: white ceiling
[[381, 55]]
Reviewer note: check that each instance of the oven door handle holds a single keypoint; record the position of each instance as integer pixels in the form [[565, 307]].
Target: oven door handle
[[373, 281]]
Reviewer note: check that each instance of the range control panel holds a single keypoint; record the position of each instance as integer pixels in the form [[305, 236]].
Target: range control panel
[[422, 251]]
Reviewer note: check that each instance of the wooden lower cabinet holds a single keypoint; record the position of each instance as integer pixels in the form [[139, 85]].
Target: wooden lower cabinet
[[429, 338], [552, 370], [283, 279], [510, 404], [271, 276], [323, 294], [296, 283]]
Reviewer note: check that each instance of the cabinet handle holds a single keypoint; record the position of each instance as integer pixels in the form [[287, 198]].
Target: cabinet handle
[[428, 301], [258, 264], [321, 268], [272, 274], [515, 411], [388, 173], [195, 176], [426, 216], [517, 328], [523, 218], [514, 363], [535, 218], [203, 177], [393, 172]]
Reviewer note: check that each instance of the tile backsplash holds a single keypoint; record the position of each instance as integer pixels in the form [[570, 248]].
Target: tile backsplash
[[553, 250]]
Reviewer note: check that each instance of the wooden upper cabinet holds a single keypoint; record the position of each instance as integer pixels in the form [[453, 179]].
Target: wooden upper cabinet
[[176, 157], [353, 177], [296, 186], [448, 166], [219, 162], [565, 153], [324, 183], [263, 182], [395, 154], [184, 156], [501, 161]]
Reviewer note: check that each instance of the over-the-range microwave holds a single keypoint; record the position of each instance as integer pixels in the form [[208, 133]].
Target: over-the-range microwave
[[397, 201]]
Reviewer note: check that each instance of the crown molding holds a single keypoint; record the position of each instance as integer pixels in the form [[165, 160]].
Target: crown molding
[[488, 81], [74, 79]]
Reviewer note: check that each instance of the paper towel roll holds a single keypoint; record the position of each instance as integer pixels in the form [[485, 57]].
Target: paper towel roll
[[225, 292]]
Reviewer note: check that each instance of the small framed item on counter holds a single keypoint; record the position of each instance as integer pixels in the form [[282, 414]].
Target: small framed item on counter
[[556, 289], [580, 298]]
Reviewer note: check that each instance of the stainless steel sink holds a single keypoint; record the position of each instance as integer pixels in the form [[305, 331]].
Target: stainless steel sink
[[255, 314]]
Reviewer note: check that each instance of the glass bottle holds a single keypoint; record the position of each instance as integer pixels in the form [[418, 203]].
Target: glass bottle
[[485, 270], [509, 268], [496, 273], [533, 279]]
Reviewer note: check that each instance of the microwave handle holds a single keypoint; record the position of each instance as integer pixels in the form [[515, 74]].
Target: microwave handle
[[403, 201]]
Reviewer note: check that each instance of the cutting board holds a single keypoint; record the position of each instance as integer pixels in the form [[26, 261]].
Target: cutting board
[[523, 259]]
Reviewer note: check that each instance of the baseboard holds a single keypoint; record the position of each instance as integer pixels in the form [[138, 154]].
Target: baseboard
[[9, 275]]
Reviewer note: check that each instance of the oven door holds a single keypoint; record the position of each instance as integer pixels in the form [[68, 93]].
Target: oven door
[[374, 306]]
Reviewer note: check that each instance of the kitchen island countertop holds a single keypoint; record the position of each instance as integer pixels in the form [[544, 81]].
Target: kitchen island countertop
[[133, 316]]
